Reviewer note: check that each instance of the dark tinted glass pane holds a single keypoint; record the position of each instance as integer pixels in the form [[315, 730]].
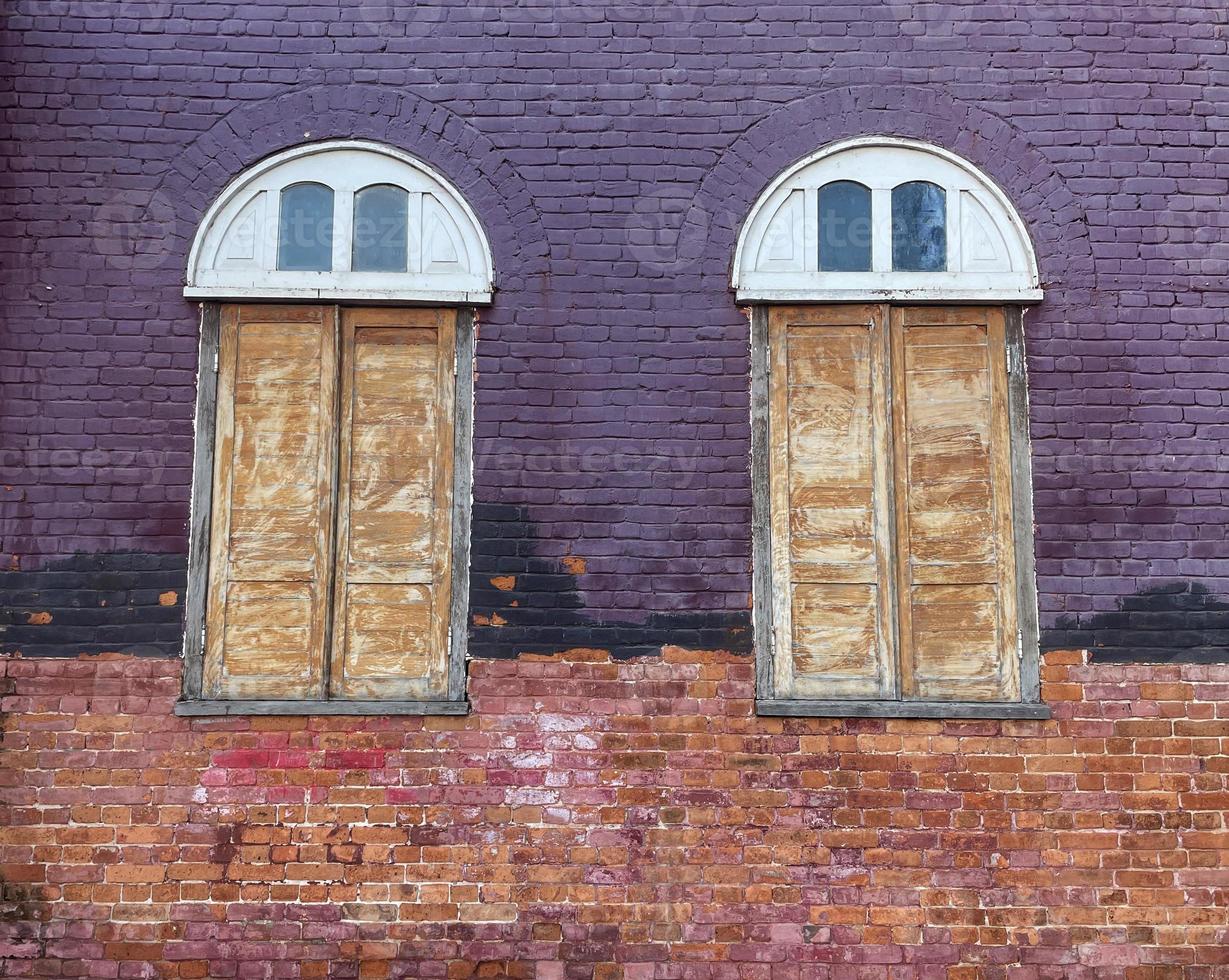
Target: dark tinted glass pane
[[381, 214], [305, 229], [844, 227], [919, 227]]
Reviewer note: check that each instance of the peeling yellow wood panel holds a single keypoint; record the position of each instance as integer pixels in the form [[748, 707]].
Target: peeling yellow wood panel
[[272, 502], [390, 633], [830, 502], [268, 628], [957, 615]]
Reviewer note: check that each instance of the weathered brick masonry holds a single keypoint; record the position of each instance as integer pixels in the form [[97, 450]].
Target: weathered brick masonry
[[612, 808], [604, 819]]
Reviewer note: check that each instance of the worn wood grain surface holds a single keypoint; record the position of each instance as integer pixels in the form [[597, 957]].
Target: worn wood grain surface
[[891, 504], [831, 501], [955, 560], [272, 502], [392, 570]]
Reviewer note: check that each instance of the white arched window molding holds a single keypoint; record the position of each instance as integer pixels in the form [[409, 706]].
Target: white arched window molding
[[988, 255], [235, 255]]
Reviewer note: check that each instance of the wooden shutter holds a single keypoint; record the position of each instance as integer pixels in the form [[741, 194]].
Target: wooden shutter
[[956, 560], [831, 502], [390, 636], [272, 492]]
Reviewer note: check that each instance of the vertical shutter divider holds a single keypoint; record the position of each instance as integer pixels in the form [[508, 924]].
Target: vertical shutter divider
[[903, 620], [891, 549], [341, 393]]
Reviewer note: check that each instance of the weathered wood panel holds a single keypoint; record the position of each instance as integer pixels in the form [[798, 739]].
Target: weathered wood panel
[[201, 514], [955, 562], [762, 586], [1022, 506], [830, 502], [462, 501], [268, 602], [393, 570]]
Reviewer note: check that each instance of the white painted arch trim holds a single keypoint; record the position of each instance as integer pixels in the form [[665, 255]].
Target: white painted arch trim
[[990, 256], [234, 253]]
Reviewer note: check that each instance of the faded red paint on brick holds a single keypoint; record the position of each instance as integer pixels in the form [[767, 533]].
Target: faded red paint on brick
[[629, 820]]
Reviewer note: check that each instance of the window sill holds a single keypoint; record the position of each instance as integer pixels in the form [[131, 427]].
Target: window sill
[[204, 708], [783, 707]]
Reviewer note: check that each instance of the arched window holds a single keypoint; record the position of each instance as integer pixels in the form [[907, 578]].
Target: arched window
[[844, 227], [344, 219], [892, 532], [305, 228], [330, 501], [884, 218], [381, 226], [919, 227]]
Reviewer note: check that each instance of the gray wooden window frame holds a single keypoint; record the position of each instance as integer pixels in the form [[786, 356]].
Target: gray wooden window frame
[[768, 700], [192, 703]]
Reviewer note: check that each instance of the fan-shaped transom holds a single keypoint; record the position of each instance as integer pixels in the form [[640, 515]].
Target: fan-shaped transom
[[884, 218], [344, 219]]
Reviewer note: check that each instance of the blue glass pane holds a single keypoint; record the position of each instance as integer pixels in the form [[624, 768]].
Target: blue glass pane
[[919, 227], [844, 227], [305, 229], [381, 216]]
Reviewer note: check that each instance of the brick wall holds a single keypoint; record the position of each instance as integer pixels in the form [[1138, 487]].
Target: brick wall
[[611, 150], [617, 813], [623, 820]]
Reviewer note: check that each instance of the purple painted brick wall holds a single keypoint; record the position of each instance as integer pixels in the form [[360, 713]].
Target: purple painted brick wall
[[611, 150]]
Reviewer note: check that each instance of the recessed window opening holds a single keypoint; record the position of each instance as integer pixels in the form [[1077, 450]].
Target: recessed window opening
[[328, 569], [892, 534]]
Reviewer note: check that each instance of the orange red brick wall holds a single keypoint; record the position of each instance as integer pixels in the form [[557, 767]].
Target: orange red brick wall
[[615, 820]]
